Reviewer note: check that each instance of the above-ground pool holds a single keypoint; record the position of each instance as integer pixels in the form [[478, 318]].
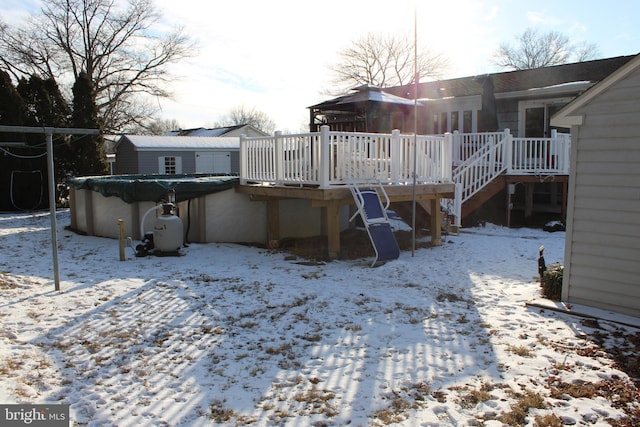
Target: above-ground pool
[[209, 206]]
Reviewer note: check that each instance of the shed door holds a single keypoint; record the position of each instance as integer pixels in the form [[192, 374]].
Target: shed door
[[222, 162], [213, 162], [204, 162]]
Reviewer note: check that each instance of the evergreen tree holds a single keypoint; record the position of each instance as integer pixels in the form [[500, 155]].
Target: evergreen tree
[[23, 170], [46, 107], [12, 108], [45, 104], [88, 149]]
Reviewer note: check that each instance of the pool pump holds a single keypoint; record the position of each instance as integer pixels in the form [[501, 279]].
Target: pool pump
[[167, 235]]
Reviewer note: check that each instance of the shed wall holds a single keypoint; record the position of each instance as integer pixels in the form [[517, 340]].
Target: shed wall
[[126, 158], [148, 161], [603, 239]]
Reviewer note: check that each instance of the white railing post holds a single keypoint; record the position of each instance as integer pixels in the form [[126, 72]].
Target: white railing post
[[508, 150], [553, 157], [457, 158], [325, 151], [243, 160], [395, 156], [279, 157], [457, 205], [447, 157]]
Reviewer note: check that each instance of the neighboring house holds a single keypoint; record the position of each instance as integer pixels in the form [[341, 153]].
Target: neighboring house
[[110, 142], [602, 250], [238, 130], [140, 154]]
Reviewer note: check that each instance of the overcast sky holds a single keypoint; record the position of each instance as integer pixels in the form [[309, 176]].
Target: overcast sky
[[274, 55]]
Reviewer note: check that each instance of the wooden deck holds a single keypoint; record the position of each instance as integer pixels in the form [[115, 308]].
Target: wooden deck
[[330, 200], [319, 166]]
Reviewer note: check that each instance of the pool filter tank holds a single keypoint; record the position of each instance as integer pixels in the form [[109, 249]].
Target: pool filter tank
[[167, 230]]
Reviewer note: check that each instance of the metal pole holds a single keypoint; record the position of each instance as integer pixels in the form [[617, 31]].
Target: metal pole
[[415, 129], [52, 208]]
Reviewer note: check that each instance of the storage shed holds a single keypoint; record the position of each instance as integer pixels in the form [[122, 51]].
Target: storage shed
[[602, 250], [143, 154]]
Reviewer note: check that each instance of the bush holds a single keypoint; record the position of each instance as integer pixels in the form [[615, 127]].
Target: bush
[[552, 282]]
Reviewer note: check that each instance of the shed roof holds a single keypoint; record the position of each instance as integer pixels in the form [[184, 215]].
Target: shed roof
[[177, 143]]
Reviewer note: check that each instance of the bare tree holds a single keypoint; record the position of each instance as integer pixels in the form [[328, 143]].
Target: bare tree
[[534, 50], [242, 115], [384, 61], [159, 127], [585, 51], [117, 47]]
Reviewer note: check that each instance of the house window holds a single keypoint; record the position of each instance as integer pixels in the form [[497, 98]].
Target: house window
[[443, 122], [457, 120], [467, 121], [169, 165], [455, 124], [535, 117]]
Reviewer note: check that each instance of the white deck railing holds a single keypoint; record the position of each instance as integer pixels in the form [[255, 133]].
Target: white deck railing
[[541, 156], [326, 159], [528, 156], [483, 157]]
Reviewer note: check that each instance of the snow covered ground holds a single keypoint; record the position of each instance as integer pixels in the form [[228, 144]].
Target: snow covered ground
[[236, 335]]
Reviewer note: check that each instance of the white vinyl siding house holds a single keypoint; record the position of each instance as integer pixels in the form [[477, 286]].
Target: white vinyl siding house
[[602, 252]]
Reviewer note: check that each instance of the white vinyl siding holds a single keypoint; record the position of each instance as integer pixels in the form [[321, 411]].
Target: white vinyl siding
[[602, 262]]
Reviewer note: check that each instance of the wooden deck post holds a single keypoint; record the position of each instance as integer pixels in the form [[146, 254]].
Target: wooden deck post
[[436, 222], [528, 200], [565, 195], [333, 228], [273, 223]]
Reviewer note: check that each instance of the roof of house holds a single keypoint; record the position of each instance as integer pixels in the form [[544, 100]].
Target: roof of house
[[515, 81], [569, 115], [219, 131], [179, 143], [361, 95]]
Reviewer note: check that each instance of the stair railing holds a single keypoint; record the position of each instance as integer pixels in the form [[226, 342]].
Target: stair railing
[[480, 168]]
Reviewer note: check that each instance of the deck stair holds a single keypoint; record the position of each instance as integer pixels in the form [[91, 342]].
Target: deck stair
[[485, 160], [480, 176], [375, 219], [484, 195]]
